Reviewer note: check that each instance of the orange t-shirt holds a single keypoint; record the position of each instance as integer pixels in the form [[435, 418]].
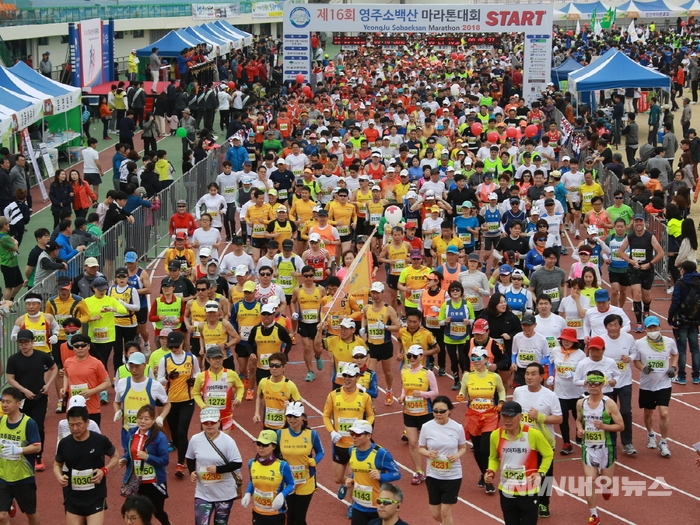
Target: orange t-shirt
[[83, 375]]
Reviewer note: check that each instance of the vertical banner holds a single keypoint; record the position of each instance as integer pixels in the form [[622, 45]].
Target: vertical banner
[[296, 56], [74, 55], [537, 65], [91, 52], [106, 76], [111, 73], [32, 156]]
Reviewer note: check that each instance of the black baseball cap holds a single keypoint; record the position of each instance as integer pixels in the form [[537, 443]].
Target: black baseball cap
[[287, 244], [238, 240], [167, 282], [511, 409], [174, 265], [175, 338]]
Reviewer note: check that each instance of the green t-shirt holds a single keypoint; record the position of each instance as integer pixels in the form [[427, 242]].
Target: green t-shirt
[[102, 330], [156, 357], [8, 255], [623, 212]]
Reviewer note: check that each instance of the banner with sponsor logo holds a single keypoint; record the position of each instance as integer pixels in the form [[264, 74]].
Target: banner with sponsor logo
[[216, 11], [532, 19], [267, 9], [90, 32]]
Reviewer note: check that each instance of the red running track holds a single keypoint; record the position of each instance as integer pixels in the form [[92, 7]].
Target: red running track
[[656, 503]]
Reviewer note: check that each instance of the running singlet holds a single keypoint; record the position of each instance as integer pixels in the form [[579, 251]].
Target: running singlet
[[398, 257], [309, 304]]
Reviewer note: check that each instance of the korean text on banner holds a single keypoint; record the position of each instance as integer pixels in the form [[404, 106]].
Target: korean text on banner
[[359, 276], [267, 9], [216, 11]]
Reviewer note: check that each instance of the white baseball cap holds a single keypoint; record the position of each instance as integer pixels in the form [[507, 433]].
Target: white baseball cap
[[314, 237], [493, 196], [359, 350], [295, 408], [241, 269], [415, 350], [347, 323], [377, 287]]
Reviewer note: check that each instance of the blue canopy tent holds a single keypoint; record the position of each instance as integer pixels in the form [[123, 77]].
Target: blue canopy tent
[[583, 11], [236, 41], [654, 9], [561, 74], [44, 84], [169, 46], [247, 37], [226, 42], [616, 70], [219, 46]]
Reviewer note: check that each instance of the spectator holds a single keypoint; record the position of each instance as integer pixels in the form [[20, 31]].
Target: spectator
[[9, 265], [127, 127], [83, 196], [61, 195], [45, 66], [18, 213], [18, 175]]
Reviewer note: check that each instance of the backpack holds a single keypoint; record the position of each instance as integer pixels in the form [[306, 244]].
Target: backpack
[[689, 309], [85, 115]]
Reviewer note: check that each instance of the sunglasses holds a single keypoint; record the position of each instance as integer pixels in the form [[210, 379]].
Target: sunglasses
[[594, 383], [122, 276], [275, 365], [619, 198], [202, 289], [209, 422], [265, 274], [182, 206], [308, 275], [516, 278], [437, 411], [359, 356], [261, 444], [355, 434], [385, 501], [413, 356], [476, 357], [348, 375], [80, 345]]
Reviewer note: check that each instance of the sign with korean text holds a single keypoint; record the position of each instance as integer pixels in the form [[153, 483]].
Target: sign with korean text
[[464, 19], [267, 9], [216, 11]]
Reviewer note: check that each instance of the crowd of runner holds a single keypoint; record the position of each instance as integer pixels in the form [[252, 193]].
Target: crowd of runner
[[465, 198]]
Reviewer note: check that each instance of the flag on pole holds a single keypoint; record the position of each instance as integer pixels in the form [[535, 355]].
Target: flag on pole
[[632, 32], [608, 19], [578, 27], [357, 280], [594, 18]]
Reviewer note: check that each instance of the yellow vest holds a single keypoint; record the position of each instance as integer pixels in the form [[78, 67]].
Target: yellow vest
[[213, 336], [276, 396], [296, 450], [40, 329], [365, 490], [309, 304], [178, 390], [247, 319], [266, 345], [133, 401], [376, 336], [128, 319], [415, 405], [481, 391], [398, 257], [266, 482], [197, 315]]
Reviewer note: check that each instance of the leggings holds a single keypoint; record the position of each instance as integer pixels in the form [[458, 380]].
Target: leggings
[[179, 420], [123, 335], [458, 358], [101, 351], [203, 511], [36, 409], [230, 220], [153, 493], [567, 405], [482, 444], [442, 354], [296, 509]]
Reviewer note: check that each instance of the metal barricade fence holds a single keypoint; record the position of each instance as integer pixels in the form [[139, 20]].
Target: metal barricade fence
[[149, 235], [610, 184]]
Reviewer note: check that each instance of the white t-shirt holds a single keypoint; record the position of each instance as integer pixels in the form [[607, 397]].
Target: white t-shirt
[[90, 156], [573, 319], [231, 260], [207, 239], [658, 361], [529, 349], [199, 449], [551, 328], [430, 224], [572, 182], [297, 163], [157, 390], [606, 365], [564, 387], [544, 401], [615, 349], [438, 187], [445, 439]]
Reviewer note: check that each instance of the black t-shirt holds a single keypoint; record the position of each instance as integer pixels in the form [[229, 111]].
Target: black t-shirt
[[283, 178], [508, 244], [33, 257], [184, 287], [84, 456], [29, 370]]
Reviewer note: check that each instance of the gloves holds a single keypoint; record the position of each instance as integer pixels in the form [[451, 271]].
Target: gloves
[[245, 501], [173, 374], [363, 332], [335, 437], [295, 316], [278, 502], [550, 380], [118, 415], [646, 370], [568, 374], [53, 339], [380, 325], [671, 372], [435, 309], [159, 421], [190, 382], [11, 450]]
